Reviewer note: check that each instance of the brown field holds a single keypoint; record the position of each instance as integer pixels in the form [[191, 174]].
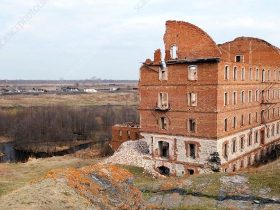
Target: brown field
[[14, 101]]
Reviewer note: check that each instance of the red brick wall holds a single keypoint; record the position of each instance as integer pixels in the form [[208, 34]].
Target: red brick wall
[[192, 42], [117, 140], [237, 110], [210, 111], [262, 51], [177, 86]]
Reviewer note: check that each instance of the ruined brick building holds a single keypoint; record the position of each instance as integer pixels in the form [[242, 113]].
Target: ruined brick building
[[205, 98], [124, 132]]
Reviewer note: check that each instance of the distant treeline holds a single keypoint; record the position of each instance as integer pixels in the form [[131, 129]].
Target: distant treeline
[[62, 123]]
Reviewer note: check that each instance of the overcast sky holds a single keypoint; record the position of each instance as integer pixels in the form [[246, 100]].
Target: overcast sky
[[108, 39]]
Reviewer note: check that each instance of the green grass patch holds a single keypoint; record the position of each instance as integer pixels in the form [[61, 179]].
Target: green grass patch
[[207, 184], [265, 179], [136, 171], [141, 179]]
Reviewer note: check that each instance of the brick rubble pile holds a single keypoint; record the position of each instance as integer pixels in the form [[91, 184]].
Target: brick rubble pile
[[134, 153]]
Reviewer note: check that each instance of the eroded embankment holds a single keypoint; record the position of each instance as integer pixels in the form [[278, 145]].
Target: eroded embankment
[[96, 187]]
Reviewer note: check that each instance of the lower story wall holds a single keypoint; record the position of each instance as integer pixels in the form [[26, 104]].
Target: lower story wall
[[185, 155], [175, 156], [250, 158], [236, 155]]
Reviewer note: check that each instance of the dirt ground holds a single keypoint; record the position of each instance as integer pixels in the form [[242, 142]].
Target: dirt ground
[[97, 186]]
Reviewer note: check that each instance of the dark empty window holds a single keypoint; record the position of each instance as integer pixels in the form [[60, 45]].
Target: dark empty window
[[242, 143], [163, 149], [226, 150], [249, 139], [192, 125], [234, 146], [226, 124], [226, 72], [192, 151], [163, 123], [164, 170], [256, 136], [238, 58], [191, 171], [235, 73]]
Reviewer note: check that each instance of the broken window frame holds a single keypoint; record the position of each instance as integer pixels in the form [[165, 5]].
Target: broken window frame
[[268, 75], [234, 145], [242, 143], [250, 96], [243, 71], [226, 99], [163, 123], [191, 125], [239, 59], [234, 122], [242, 97], [257, 95], [257, 74], [225, 124], [192, 99], [234, 101], [250, 137], [225, 150], [163, 100], [242, 120], [174, 52], [256, 137], [192, 150], [235, 73], [192, 72], [164, 148], [163, 74], [226, 72]]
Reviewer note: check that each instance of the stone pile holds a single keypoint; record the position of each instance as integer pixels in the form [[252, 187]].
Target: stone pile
[[134, 153]]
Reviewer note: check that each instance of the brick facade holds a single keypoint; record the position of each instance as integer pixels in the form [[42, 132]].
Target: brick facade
[[206, 95], [124, 132]]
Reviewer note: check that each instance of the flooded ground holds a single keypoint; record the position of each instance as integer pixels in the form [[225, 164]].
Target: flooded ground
[[8, 153]]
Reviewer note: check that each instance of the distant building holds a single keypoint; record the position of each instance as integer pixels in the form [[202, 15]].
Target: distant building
[[90, 90], [38, 90], [70, 89], [206, 98], [114, 89], [124, 132], [11, 90]]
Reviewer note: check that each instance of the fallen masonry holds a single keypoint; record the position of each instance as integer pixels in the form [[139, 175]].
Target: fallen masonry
[[135, 153]]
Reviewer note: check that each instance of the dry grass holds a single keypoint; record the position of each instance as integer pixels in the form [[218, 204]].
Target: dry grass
[[14, 176], [14, 101]]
